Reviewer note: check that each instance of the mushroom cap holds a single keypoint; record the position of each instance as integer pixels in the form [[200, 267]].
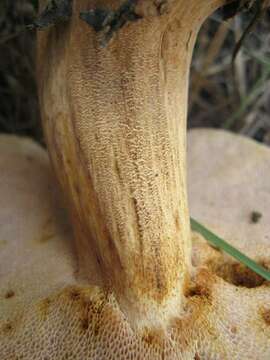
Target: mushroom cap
[[49, 311]]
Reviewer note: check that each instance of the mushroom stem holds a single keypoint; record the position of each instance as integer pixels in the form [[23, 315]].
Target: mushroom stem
[[115, 123]]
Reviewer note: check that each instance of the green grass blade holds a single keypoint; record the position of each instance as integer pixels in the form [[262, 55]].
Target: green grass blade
[[229, 249]]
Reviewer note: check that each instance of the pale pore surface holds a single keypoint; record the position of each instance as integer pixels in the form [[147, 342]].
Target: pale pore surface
[[48, 312]]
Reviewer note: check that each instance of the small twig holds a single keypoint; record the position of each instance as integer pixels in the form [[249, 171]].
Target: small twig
[[240, 66], [259, 87], [258, 6], [198, 81]]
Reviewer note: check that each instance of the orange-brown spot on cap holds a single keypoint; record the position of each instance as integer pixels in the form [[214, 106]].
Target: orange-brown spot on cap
[[43, 307], [7, 328], [85, 324], [266, 315], [9, 294], [152, 337], [243, 276], [236, 273], [74, 294], [202, 285], [89, 309]]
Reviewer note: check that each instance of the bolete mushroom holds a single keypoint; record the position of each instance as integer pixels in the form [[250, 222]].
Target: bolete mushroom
[[115, 123]]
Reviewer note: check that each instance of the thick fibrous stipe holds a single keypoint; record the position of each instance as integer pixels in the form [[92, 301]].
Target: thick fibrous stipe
[[53, 313]]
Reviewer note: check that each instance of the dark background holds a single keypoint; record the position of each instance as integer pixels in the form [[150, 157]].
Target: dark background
[[240, 103]]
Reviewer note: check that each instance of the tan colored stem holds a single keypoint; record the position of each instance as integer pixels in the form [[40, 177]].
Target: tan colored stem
[[115, 123]]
